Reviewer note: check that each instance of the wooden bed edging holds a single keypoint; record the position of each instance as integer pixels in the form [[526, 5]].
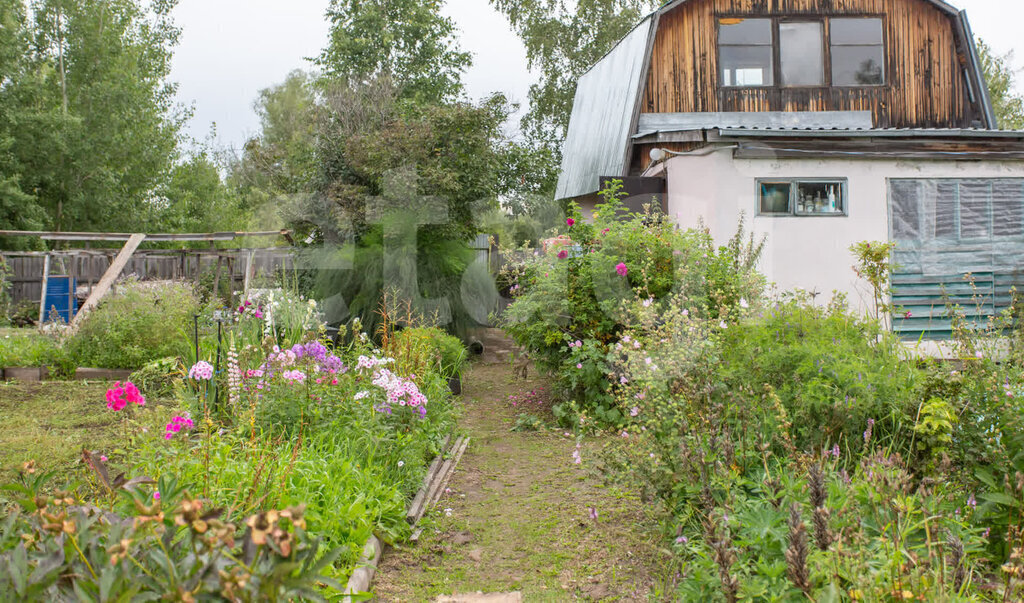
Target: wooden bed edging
[[438, 474]]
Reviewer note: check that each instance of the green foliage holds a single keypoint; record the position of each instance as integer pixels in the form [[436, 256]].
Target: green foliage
[[1000, 75], [281, 160], [429, 348], [195, 199], [89, 112], [401, 192], [874, 264], [30, 349], [56, 549], [562, 42], [157, 378], [407, 40], [831, 371], [138, 324], [573, 303]]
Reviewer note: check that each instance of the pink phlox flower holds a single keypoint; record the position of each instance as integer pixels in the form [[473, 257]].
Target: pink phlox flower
[[621, 269], [563, 254], [201, 371], [634, 411], [570, 222], [294, 376]]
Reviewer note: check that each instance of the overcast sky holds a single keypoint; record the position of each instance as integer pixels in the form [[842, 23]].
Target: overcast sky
[[231, 49]]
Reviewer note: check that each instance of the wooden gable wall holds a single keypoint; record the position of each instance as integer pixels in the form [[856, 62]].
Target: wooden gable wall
[[925, 84]]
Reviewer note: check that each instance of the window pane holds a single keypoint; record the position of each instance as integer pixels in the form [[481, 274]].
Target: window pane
[[819, 198], [857, 66], [745, 32], [775, 197], [801, 52], [975, 219], [906, 209], [1008, 208], [746, 65], [945, 209], [856, 31]]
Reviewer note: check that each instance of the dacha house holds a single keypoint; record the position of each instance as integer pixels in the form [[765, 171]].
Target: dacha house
[[823, 123]]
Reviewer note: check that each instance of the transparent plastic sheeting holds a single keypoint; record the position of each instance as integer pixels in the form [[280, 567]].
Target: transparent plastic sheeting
[[947, 226]]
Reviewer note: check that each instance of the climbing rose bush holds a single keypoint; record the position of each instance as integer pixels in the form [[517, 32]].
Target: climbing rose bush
[[574, 299]]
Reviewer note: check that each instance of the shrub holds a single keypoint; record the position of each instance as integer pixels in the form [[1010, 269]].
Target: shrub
[[573, 302], [420, 348], [136, 325], [832, 372]]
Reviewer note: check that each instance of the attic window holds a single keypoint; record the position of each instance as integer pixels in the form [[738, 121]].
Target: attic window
[[858, 52], [801, 51], [745, 52]]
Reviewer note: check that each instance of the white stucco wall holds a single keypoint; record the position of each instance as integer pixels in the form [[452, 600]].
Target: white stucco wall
[[811, 253]]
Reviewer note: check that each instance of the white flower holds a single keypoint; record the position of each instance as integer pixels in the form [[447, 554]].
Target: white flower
[[723, 325], [448, 512], [744, 304], [401, 464]]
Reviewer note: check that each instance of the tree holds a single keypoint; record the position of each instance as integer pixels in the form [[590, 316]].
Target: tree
[[1000, 76], [281, 159], [89, 112], [408, 41], [19, 209], [196, 199], [562, 42]]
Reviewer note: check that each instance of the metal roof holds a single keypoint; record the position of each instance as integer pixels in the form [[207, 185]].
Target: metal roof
[[602, 116], [653, 123], [869, 133]]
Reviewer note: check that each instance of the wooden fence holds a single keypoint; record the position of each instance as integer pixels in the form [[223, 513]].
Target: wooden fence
[[86, 266]]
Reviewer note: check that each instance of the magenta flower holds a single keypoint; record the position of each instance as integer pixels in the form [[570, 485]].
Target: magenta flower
[[119, 396], [176, 425], [563, 254], [570, 222], [621, 269], [156, 495]]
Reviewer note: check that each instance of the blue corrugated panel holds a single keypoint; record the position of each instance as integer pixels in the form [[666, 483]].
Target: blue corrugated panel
[[60, 294]]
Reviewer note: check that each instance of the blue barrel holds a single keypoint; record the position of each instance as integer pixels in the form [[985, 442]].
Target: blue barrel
[[60, 296]]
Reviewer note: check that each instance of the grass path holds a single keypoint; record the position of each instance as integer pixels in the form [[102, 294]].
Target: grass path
[[517, 518]]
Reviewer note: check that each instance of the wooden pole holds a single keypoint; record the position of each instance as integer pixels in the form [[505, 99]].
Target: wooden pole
[[109, 277], [248, 273], [42, 293]]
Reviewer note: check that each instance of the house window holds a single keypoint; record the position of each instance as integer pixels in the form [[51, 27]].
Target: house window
[[745, 52], [950, 210], [801, 197], [847, 51], [858, 52], [801, 54]]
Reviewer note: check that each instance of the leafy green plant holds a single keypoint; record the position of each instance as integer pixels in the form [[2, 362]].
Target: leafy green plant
[[55, 548], [573, 302], [874, 264], [31, 349], [136, 325]]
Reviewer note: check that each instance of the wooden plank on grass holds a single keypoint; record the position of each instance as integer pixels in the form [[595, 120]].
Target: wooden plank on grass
[[108, 278]]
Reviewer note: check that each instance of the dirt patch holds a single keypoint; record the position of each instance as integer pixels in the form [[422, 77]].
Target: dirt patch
[[516, 518]]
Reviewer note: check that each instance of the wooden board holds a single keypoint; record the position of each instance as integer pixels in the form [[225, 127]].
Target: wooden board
[[108, 278]]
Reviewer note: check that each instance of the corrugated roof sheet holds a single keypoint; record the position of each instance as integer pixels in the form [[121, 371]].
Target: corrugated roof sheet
[[602, 114], [869, 133]]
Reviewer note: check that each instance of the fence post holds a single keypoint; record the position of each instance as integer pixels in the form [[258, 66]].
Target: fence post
[[42, 292]]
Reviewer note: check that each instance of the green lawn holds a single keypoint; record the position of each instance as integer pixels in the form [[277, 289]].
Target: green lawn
[[51, 421]]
